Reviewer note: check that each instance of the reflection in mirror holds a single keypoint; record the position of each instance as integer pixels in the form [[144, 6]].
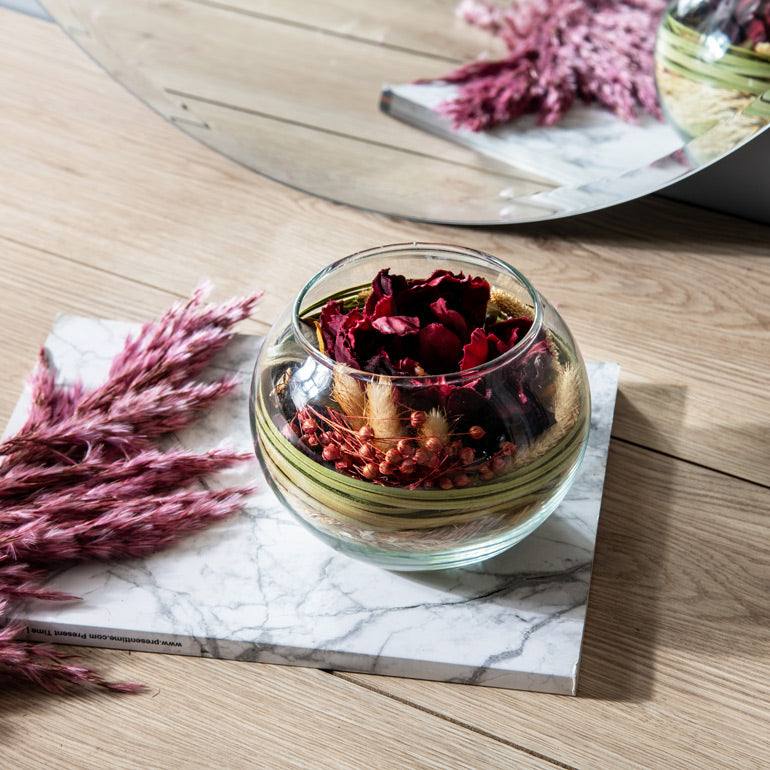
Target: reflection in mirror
[[289, 88]]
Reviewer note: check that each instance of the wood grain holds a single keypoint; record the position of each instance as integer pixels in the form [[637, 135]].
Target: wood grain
[[211, 713], [676, 655], [110, 211], [426, 27], [176, 45], [678, 296]]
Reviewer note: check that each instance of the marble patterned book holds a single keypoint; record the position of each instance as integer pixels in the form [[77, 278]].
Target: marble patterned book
[[261, 588]]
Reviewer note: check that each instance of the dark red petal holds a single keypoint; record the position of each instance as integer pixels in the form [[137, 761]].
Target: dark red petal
[[439, 348], [384, 285], [330, 321], [476, 352], [510, 331], [397, 324], [384, 306], [407, 366], [352, 339], [496, 346], [469, 296], [380, 363], [450, 318]]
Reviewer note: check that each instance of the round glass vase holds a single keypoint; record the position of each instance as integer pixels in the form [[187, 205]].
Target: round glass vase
[[347, 451]]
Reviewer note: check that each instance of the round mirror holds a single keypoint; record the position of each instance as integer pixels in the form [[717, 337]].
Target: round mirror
[[323, 95]]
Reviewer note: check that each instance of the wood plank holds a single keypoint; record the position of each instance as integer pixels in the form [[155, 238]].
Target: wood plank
[[675, 294], [201, 713], [429, 27], [676, 657], [178, 46], [206, 713]]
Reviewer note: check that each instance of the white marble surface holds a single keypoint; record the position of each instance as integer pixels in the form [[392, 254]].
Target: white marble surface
[[261, 588], [589, 145]]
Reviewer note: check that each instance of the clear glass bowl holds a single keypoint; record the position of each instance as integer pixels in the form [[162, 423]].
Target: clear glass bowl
[[713, 72], [426, 471]]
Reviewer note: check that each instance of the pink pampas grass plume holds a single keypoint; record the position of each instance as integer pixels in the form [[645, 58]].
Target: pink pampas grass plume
[[560, 52], [47, 667], [81, 479]]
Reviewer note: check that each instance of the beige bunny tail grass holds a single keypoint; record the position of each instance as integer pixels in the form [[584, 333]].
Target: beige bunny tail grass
[[436, 426], [350, 395], [510, 305], [381, 412], [569, 395]]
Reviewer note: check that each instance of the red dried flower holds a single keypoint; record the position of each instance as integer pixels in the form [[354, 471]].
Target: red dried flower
[[407, 325]]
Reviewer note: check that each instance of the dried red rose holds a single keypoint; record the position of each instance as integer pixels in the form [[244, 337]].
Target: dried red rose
[[407, 326]]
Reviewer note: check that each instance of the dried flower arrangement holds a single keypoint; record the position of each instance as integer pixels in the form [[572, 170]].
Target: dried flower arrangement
[[559, 52], [81, 479], [447, 413]]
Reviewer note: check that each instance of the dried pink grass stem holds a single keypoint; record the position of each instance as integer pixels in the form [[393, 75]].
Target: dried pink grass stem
[[559, 52], [81, 479]]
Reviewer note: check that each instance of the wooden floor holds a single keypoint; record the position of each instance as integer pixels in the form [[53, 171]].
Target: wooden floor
[[108, 210]]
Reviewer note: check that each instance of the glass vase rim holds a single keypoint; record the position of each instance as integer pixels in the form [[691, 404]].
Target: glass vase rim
[[510, 355]]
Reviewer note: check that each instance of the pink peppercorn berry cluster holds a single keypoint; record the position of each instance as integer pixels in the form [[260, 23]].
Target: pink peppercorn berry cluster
[[404, 461]]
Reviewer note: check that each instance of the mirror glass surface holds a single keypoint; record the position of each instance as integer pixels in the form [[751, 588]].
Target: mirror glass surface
[[320, 95]]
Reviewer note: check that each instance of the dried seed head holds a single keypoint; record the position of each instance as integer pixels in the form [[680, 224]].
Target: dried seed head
[[476, 432], [331, 453], [405, 447], [382, 413], [325, 438], [370, 471], [445, 482], [434, 434], [367, 452], [349, 394], [311, 439], [467, 455], [393, 456], [422, 457], [508, 448], [499, 464], [342, 466], [417, 419], [407, 467], [386, 468], [366, 432], [309, 425]]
